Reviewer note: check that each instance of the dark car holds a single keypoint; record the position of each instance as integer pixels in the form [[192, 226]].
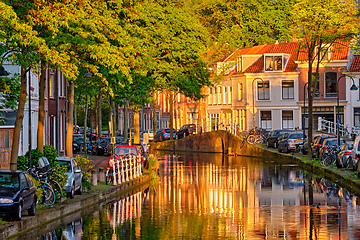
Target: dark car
[[123, 150], [344, 154], [17, 193], [327, 143], [274, 136], [99, 147], [318, 142], [78, 143], [186, 130], [304, 148], [163, 134], [290, 141]]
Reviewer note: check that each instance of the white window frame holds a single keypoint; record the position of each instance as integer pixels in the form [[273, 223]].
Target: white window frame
[[240, 91], [266, 124], [282, 95], [229, 94], [273, 56], [292, 121], [258, 91]]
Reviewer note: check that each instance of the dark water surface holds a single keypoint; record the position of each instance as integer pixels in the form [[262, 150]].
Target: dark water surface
[[208, 196]]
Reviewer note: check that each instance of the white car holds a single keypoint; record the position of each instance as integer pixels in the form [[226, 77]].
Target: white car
[[74, 181]]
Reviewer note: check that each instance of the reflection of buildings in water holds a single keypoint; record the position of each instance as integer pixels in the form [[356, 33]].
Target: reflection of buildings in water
[[74, 230], [237, 192]]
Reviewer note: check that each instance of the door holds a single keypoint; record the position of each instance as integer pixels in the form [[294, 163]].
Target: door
[[25, 191], [6, 135]]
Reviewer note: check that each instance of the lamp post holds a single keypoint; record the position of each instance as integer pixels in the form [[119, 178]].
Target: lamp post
[[86, 76], [253, 92], [352, 88]]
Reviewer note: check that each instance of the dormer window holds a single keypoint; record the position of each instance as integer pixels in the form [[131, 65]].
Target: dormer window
[[273, 63]]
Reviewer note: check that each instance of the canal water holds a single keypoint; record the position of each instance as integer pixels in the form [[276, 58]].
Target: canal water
[[209, 196]]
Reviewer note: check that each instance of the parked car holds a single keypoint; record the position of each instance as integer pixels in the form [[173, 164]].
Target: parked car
[[327, 143], [355, 155], [304, 148], [104, 134], [150, 134], [123, 150], [74, 182], [132, 133], [186, 130], [344, 154], [318, 142], [163, 134], [290, 141], [99, 147], [17, 193], [274, 136]]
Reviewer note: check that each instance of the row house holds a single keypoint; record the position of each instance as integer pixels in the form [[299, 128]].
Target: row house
[[264, 86], [55, 115]]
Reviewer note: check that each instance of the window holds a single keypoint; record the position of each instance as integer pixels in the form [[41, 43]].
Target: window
[[23, 181], [357, 117], [330, 84], [239, 64], [52, 86], [287, 119], [240, 92], [215, 95], [224, 95], [273, 63], [266, 119], [229, 94], [210, 96], [263, 90], [7, 144], [219, 95], [287, 87]]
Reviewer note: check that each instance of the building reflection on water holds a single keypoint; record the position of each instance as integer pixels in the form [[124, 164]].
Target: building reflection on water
[[254, 199]]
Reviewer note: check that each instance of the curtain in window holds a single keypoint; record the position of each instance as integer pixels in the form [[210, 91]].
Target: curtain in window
[[265, 117], [287, 119], [288, 89], [263, 90]]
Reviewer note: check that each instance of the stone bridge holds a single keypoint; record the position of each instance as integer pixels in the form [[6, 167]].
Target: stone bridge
[[220, 141]]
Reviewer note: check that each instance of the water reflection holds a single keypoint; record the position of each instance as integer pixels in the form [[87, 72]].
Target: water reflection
[[209, 196]]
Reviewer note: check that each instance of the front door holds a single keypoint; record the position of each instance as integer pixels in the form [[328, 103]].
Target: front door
[[6, 139]]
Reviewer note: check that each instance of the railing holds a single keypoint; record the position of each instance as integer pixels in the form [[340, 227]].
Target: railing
[[219, 124], [330, 127], [126, 168]]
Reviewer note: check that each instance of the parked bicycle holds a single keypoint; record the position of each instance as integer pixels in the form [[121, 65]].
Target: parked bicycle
[[48, 195], [330, 157], [256, 135]]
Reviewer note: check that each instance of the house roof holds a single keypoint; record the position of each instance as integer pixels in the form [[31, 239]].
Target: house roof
[[340, 51], [355, 65]]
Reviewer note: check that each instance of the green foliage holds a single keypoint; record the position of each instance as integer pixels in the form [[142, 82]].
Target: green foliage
[[38, 188], [35, 155], [58, 174], [86, 165], [50, 153], [22, 163]]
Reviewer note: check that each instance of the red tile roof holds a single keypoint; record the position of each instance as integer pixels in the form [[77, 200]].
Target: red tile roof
[[340, 52], [355, 65]]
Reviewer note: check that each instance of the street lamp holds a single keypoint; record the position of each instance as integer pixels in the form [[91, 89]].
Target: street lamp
[[253, 111], [352, 88], [317, 92]]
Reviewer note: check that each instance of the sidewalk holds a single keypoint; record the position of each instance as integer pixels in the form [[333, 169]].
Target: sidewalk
[[45, 215]]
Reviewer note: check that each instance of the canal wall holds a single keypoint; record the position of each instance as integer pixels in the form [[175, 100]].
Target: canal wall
[[224, 142], [57, 213]]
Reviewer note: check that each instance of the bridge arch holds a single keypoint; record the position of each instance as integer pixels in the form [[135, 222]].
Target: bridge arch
[[219, 145]]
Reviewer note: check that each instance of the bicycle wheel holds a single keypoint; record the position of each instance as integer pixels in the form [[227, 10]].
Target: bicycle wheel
[[327, 161], [48, 196], [57, 189], [251, 139]]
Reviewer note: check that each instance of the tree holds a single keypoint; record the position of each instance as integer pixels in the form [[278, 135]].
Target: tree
[[318, 25]]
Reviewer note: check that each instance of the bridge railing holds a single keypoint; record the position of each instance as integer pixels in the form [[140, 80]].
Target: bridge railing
[[330, 127], [219, 124], [126, 168]]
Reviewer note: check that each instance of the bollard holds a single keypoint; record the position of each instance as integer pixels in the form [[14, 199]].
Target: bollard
[[116, 166], [94, 177], [101, 174]]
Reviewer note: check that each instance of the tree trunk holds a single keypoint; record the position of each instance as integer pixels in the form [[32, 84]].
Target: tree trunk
[[70, 125], [310, 104], [136, 126], [85, 123], [199, 122], [18, 121], [99, 114], [171, 104], [40, 132], [126, 115]]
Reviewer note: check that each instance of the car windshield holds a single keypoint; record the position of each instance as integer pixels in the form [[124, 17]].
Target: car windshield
[[125, 150], [333, 142], [9, 180], [168, 130], [67, 164]]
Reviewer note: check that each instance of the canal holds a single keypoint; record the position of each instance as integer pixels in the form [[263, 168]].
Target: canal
[[208, 196]]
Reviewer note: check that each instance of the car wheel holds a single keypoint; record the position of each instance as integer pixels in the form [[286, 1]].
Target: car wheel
[[80, 190], [18, 214], [287, 149], [275, 145], [267, 144], [32, 209], [279, 149], [72, 192]]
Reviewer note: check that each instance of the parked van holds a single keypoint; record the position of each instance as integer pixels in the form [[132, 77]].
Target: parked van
[[355, 155]]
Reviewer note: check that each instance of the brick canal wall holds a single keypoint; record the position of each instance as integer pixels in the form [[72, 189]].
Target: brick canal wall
[[224, 142], [57, 213]]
